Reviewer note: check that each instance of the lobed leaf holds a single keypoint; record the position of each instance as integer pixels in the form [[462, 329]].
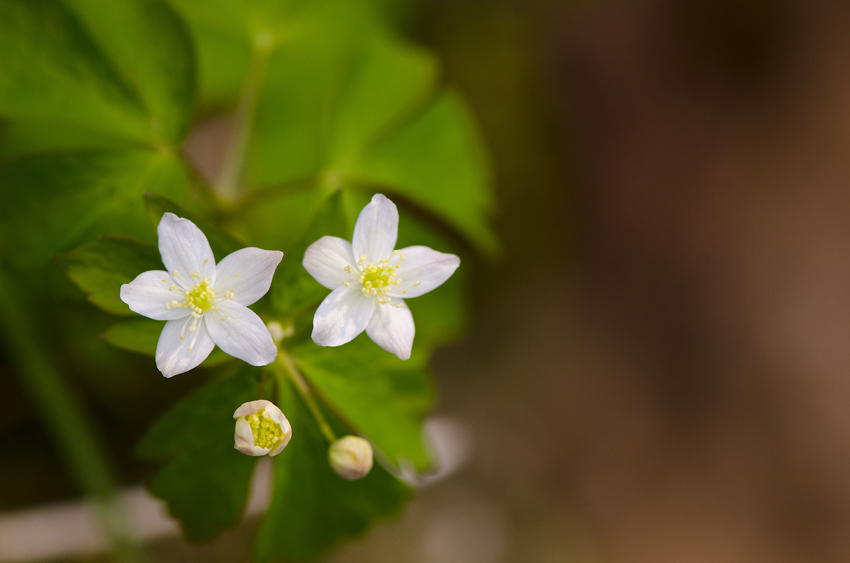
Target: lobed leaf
[[342, 102], [100, 268], [384, 398], [162, 71], [206, 490], [79, 195], [141, 335], [438, 162], [206, 483], [91, 67], [328, 92], [295, 290], [53, 69]]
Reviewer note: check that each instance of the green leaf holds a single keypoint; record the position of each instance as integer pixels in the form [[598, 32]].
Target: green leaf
[[240, 17], [343, 102], [79, 195], [260, 218], [100, 268], [328, 92], [53, 69], [294, 289], [206, 490], [388, 81], [161, 70], [197, 422], [221, 243], [20, 138], [223, 60], [437, 162], [141, 335], [312, 508], [206, 484], [138, 335], [226, 34], [384, 398]]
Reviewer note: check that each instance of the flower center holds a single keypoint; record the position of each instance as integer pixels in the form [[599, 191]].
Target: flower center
[[267, 432], [201, 297], [379, 276], [378, 280]]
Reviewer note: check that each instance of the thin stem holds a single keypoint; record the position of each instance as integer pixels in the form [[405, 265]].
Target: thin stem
[[229, 185], [65, 419], [301, 385], [264, 375]]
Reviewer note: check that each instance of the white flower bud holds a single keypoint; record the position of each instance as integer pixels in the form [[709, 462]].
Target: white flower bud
[[351, 457], [261, 429], [277, 331]]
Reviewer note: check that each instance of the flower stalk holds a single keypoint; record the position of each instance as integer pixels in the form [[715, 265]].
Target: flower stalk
[[288, 366], [230, 181]]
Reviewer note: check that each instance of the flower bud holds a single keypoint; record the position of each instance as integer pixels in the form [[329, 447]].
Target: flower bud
[[261, 429], [278, 332], [351, 457]]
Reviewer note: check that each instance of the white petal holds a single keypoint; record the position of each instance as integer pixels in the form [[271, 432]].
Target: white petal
[[185, 248], [248, 272], [254, 451], [392, 329], [177, 355], [429, 267], [149, 293], [342, 315], [285, 427], [376, 230], [243, 436], [326, 260], [252, 407], [283, 443], [238, 331]]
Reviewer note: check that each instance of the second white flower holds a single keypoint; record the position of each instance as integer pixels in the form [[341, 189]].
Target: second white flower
[[370, 280]]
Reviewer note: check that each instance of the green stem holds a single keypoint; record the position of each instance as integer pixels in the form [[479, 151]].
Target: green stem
[[64, 418], [301, 385], [230, 183]]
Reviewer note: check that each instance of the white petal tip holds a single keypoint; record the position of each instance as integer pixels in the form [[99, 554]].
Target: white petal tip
[[169, 374], [252, 451], [325, 340], [265, 361]]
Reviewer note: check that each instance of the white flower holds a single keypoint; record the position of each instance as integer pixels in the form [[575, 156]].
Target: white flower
[[205, 304], [350, 457], [370, 279], [261, 429]]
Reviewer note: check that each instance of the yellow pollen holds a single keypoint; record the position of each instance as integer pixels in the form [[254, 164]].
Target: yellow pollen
[[378, 280], [267, 432], [201, 297]]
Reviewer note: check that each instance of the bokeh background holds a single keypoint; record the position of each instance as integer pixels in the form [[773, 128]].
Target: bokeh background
[[659, 368]]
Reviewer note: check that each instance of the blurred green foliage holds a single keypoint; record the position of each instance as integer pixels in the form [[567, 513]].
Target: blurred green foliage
[[330, 106]]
